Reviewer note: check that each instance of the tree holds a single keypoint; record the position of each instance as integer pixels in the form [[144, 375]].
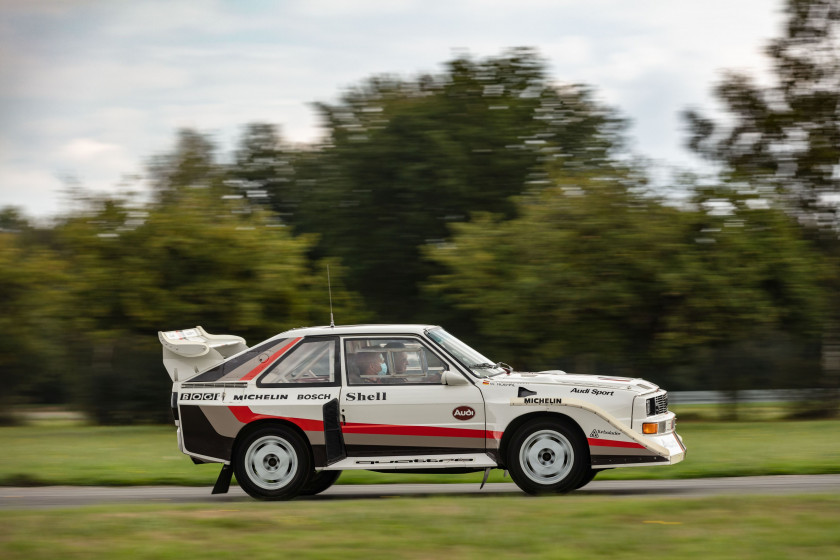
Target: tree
[[595, 272], [191, 165], [405, 159], [785, 135], [784, 140], [202, 262], [263, 170], [193, 257], [31, 279]]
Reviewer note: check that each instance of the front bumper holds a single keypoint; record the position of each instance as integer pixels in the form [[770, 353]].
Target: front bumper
[[673, 443]]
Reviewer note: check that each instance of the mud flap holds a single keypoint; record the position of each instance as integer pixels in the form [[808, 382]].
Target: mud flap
[[486, 474], [223, 482], [333, 436]]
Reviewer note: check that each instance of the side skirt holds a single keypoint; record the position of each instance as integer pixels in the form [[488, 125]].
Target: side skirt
[[401, 463]]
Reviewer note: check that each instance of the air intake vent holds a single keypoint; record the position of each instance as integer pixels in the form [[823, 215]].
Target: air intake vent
[[658, 404]]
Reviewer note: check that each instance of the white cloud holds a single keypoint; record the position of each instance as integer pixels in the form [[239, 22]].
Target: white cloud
[[93, 89], [87, 149], [34, 190]]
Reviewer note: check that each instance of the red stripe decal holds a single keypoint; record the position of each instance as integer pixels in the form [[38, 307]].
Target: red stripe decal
[[613, 443], [246, 415], [260, 368], [391, 430]]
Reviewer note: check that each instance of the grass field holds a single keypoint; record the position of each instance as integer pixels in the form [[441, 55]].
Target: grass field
[[463, 527], [68, 452]]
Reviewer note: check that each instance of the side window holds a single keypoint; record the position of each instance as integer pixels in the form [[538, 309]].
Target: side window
[[390, 361], [312, 362]]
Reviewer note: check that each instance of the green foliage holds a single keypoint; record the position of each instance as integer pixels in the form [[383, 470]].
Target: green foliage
[[782, 142], [407, 158], [263, 170], [591, 269], [31, 284], [784, 136], [81, 317], [485, 198], [74, 454], [195, 262], [469, 527]]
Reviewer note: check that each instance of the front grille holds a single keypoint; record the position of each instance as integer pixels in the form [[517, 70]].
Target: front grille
[[657, 404]]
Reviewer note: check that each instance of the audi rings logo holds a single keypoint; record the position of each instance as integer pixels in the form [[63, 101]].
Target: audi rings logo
[[463, 413]]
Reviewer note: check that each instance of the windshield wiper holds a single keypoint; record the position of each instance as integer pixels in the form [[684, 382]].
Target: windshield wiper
[[501, 365]]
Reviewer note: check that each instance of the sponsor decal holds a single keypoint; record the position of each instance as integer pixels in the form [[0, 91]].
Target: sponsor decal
[[596, 442], [307, 397], [594, 392], [543, 400], [464, 413], [536, 401], [413, 461], [201, 396], [377, 396], [598, 433], [260, 397]]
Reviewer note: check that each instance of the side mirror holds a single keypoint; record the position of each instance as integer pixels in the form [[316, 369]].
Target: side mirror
[[450, 377]]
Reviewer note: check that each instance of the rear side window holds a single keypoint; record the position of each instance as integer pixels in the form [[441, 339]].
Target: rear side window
[[312, 362], [244, 366]]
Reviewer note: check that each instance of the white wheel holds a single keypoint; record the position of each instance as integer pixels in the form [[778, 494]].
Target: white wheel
[[272, 463], [546, 457]]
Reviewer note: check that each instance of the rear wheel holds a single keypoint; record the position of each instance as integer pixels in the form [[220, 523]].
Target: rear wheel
[[320, 481], [273, 463], [547, 456]]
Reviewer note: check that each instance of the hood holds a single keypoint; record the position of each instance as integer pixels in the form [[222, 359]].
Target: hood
[[557, 377]]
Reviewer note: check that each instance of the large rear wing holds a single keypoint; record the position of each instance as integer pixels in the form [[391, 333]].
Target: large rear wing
[[190, 351]]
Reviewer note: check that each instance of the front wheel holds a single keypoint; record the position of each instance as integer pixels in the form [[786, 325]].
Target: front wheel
[[588, 475], [546, 456], [272, 463], [319, 481]]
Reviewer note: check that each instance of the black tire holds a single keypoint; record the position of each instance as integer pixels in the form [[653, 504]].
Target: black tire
[[547, 456], [319, 481], [272, 463], [587, 477]]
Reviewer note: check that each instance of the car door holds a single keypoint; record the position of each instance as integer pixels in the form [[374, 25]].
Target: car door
[[393, 401]]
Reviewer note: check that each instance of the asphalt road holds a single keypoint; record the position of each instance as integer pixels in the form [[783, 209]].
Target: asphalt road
[[74, 496]]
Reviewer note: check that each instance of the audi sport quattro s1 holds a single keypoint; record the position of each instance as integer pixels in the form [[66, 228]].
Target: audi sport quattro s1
[[290, 413]]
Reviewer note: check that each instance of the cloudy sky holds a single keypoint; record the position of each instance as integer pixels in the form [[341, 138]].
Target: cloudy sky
[[89, 90]]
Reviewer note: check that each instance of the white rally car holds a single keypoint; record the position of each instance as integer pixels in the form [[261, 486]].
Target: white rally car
[[289, 414]]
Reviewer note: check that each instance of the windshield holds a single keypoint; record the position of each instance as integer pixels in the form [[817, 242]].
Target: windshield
[[479, 365]]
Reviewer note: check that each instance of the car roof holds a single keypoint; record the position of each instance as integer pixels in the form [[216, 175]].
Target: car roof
[[356, 330]]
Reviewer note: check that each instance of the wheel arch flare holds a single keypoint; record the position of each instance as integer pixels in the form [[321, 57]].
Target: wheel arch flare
[[611, 442]]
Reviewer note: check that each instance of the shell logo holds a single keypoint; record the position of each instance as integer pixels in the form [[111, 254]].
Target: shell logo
[[463, 413]]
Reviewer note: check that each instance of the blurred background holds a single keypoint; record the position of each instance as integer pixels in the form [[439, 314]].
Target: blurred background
[[491, 196]]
